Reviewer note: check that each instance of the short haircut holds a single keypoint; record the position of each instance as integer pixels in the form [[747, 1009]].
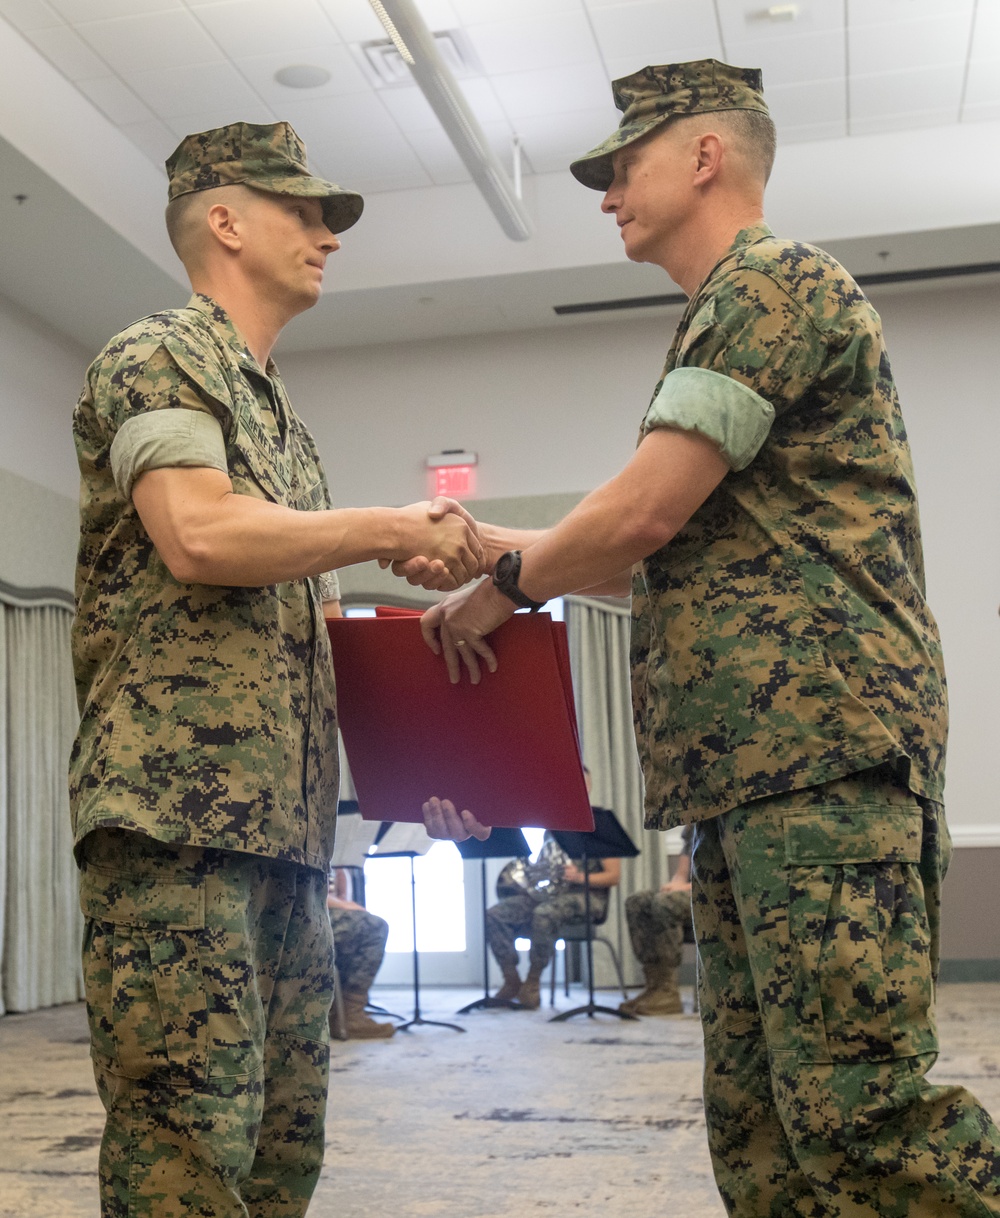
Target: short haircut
[[185, 217], [751, 136], [179, 220], [756, 138]]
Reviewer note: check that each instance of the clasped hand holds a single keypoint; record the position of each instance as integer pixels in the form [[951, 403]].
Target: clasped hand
[[446, 551], [458, 625]]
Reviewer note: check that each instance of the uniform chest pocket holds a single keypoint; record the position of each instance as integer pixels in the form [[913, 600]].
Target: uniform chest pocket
[[312, 499], [258, 466]]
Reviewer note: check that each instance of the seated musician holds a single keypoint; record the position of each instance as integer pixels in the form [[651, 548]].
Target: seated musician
[[549, 896], [359, 944]]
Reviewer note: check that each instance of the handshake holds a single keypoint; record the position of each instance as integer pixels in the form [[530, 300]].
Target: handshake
[[440, 546]]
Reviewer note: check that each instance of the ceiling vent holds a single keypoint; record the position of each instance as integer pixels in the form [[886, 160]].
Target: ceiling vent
[[386, 68]]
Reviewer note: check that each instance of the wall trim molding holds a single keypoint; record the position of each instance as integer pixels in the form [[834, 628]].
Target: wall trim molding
[[956, 972], [977, 836], [32, 598]]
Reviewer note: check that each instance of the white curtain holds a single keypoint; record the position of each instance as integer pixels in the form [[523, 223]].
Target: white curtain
[[599, 657], [40, 921]]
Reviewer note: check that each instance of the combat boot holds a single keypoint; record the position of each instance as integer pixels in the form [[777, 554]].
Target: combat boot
[[651, 973], [529, 997], [661, 996], [511, 986], [627, 1006], [360, 1025]]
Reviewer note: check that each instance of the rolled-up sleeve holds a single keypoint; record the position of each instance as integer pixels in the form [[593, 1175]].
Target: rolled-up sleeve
[[160, 439], [716, 406]]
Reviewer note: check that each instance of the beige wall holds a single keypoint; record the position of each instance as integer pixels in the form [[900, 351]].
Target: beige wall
[[41, 374]]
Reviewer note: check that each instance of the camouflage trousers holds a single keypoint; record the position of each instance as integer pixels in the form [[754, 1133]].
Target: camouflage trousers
[[359, 939], [209, 977], [656, 924], [816, 915], [540, 921]]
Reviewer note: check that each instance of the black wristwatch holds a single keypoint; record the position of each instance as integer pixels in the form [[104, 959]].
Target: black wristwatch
[[505, 576]]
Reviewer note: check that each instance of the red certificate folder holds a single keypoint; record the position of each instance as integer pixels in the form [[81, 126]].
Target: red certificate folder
[[507, 749]]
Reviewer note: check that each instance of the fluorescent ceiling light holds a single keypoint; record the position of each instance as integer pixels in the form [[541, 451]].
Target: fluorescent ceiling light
[[302, 76], [415, 43]]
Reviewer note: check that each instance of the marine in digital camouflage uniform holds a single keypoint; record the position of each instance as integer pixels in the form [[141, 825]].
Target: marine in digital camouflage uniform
[[360, 946], [788, 687], [359, 939], [540, 913], [657, 920], [204, 776]]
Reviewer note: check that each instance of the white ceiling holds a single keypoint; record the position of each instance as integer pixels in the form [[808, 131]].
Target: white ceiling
[[887, 109]]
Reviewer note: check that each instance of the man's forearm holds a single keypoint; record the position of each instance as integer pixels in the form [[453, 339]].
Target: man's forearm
[[626, 519], [619, 585], [589, 551], [630, 517], [497, 540], [208, 534], [250, 542], [603, 879]]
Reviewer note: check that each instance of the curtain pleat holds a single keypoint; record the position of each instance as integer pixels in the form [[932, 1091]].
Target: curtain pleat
[[599, 658], [42, 924], [4, 803]]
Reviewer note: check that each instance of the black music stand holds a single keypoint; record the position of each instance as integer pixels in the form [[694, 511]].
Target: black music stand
[[608, 841], [501, 844], [409, 833]]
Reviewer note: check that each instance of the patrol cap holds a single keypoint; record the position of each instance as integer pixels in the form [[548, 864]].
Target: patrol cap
[[266, 156], [655, 94]]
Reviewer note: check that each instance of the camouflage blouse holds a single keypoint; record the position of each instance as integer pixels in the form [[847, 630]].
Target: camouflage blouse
[[208, 713], [782, 638]]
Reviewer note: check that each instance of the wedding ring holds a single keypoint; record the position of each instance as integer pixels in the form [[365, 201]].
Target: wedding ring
[[460, 642]]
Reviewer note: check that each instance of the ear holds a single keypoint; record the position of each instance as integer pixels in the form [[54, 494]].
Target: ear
[[709, 156], [224, 223]]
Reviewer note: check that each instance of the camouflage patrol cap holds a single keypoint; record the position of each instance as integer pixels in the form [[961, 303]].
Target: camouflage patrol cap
[[651, 96], [266, 156]]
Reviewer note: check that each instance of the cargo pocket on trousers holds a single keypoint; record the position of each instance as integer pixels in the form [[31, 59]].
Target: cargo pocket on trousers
[[155, 1015], [859, 932]]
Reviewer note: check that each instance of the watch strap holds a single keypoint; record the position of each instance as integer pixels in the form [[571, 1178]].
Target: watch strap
[[505, 577]]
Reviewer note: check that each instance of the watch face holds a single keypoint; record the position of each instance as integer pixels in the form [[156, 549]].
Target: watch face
[[505, 567]]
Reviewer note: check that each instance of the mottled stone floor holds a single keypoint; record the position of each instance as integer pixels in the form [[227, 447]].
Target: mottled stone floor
[[516, 1116]]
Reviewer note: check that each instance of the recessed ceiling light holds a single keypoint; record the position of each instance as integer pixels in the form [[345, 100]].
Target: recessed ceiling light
[[776, 12], [302, 76]]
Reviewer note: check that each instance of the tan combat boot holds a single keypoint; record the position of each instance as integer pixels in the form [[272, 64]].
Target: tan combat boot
[[529, 997], [661, 996], [627, 1006], [360, 1026], [511, 986], [650, 977]]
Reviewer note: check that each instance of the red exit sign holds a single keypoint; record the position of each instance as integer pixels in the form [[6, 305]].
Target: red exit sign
[[455, 481], [452, 474]]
